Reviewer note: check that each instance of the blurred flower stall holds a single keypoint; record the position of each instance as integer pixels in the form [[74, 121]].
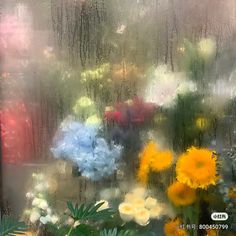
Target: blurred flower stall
[[117, 122]]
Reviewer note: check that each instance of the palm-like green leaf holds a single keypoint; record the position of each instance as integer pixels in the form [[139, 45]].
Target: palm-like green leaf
[[114, 232], [89, 212], [10, 226]]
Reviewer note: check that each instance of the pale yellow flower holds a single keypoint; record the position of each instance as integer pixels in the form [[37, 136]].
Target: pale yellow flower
[[126, 211], [142, 217], [93, 120], [206, 48]]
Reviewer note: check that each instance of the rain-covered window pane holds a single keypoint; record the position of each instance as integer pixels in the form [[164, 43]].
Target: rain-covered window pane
[[118, 117]]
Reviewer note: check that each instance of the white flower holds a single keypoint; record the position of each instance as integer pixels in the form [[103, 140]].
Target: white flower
[[43, 204], [138, 203], [41, 187], [54, 219], [207, 48], [126, 211], [77, 223], [150, 202], [45, 219], [164, 86], [104, 206], [156, 212], [121, 29], [34, 216], [142, 217], [29, 195], [36, 201]]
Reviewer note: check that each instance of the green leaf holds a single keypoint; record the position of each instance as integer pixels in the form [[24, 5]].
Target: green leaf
[[10, 226], [114, 232], [89, 212]]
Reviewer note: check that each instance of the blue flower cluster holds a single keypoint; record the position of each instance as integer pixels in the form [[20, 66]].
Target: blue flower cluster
[[81, 144]]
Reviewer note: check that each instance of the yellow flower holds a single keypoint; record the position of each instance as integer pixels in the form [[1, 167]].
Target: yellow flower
[[142, 217], [197, 168], [138, 203], [162, 161], [93, 120], [202, 123], [126, 211], [211, 232], [172, 228], [146, 156], [181, 194], [151, 158]]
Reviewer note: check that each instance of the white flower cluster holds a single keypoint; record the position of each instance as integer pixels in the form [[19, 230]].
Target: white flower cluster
[[140, 207], [39, 209], [164, 86]]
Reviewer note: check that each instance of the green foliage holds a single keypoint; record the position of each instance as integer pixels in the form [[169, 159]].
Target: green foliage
[[83, 214], [82, 230], [115, 232], [183, 121], [89, 212], [10, 226]]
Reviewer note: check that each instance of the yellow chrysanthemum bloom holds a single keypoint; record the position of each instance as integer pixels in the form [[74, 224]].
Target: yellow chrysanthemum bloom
[[197, 168], [172, 228], [180, 194], [149, 151], [161, 161]]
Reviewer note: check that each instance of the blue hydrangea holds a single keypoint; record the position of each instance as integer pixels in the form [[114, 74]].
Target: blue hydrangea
[[82, 145]]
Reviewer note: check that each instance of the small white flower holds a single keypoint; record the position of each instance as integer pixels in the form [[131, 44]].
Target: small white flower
[[41, 187], [36, 201], [121, 29], [34, 216], [54, 219], [43, 204], [104, 206], [29, 195], [77, 223]]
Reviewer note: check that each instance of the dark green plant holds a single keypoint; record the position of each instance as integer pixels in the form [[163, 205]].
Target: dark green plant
[[115, 232], [87, 215], [89, 212], [10, 226]]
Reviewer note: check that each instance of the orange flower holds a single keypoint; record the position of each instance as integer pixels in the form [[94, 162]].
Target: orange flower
[[162, 161], [180, 194], [172, 228], [197, 168], [146, 156], [153, 159], [211, 232]]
